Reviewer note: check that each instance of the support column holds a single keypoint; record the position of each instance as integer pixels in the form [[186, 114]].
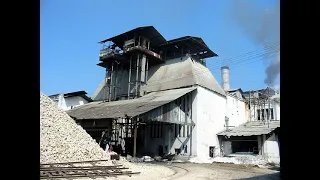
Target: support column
[[137, 75], [263, 141], [135, 138], [259, 144], [129, 78]]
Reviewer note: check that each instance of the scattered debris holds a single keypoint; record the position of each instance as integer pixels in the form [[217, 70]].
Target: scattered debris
[[200, 160]]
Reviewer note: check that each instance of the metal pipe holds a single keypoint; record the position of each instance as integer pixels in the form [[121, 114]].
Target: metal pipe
[[111, 82], [129, 78], [105, 85], [269, 110], [147, 69], [115, 83], [191, 117], [254, 107], [250, 105], [137, 75]]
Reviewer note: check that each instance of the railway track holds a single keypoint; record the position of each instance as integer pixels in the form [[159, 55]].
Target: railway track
[[71, 170]]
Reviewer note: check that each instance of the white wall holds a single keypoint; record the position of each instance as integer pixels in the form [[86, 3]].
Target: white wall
[[210, 119], [67, 103], [276, 111], [271, 149], [236, 111]]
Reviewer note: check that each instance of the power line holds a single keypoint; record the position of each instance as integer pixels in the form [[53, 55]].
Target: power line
[[200, 72], [252, 52], [247, 55], [244, 62], [170, 80]]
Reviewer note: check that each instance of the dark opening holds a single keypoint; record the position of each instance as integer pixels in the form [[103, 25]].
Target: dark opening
[[160, 150], [245, 147], [177, 151], [211, 151]]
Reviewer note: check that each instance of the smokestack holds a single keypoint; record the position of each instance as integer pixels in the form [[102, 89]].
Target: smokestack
[[225, 74]]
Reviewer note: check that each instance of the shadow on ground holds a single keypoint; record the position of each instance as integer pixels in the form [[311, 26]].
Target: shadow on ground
[[275, 176], [275, 168]]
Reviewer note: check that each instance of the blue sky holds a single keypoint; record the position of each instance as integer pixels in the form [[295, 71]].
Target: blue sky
[[71, 29]]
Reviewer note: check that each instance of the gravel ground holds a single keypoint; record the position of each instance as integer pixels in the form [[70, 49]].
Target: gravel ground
[[187, 171]]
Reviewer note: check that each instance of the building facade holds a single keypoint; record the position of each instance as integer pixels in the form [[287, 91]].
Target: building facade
[[70, 100], [159, 95]]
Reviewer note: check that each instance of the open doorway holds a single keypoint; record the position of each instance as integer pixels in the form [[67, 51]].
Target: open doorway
[[247, 147]]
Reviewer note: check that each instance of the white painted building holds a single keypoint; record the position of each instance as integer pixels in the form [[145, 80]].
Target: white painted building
[[237, 109], [70, 100], [165, 88], [255, 137], [205, 117], [261, 106]]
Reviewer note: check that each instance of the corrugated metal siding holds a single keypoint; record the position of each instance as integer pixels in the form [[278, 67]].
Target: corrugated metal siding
[[172, 113], [251, 128]]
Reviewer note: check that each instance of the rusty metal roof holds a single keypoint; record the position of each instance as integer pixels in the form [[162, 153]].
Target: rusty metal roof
[[131, 108], [252, 128], [191, 44], [147, 31]]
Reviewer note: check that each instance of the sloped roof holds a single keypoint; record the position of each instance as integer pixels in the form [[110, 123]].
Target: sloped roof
[[73, 94], [193, 45], [181, 72], [251, 129], [131, 108], [147, 31]]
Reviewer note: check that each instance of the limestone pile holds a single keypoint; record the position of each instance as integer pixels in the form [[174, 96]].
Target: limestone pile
[[61, 139]]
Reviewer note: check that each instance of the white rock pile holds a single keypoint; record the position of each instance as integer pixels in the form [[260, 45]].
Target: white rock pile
[[246, 160], [61, 139]]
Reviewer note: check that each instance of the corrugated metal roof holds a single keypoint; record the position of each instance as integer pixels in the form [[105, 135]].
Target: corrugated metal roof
[[181, 72], [133, 107], [251, 129]]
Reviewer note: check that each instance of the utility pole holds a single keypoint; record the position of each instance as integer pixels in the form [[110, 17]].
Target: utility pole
[[254, 106], [250, 105], [269, 111]]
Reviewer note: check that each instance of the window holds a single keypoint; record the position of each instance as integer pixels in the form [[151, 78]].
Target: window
[[271, 113], [261, 113], [176, 128], [180, 130]]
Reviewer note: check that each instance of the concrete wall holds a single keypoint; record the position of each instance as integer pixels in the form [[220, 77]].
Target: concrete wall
[[236, 111], [227, 147], [210, 119], [271, 149]]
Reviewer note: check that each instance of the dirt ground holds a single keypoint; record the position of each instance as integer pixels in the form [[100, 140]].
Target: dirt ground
[[187, 171]]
